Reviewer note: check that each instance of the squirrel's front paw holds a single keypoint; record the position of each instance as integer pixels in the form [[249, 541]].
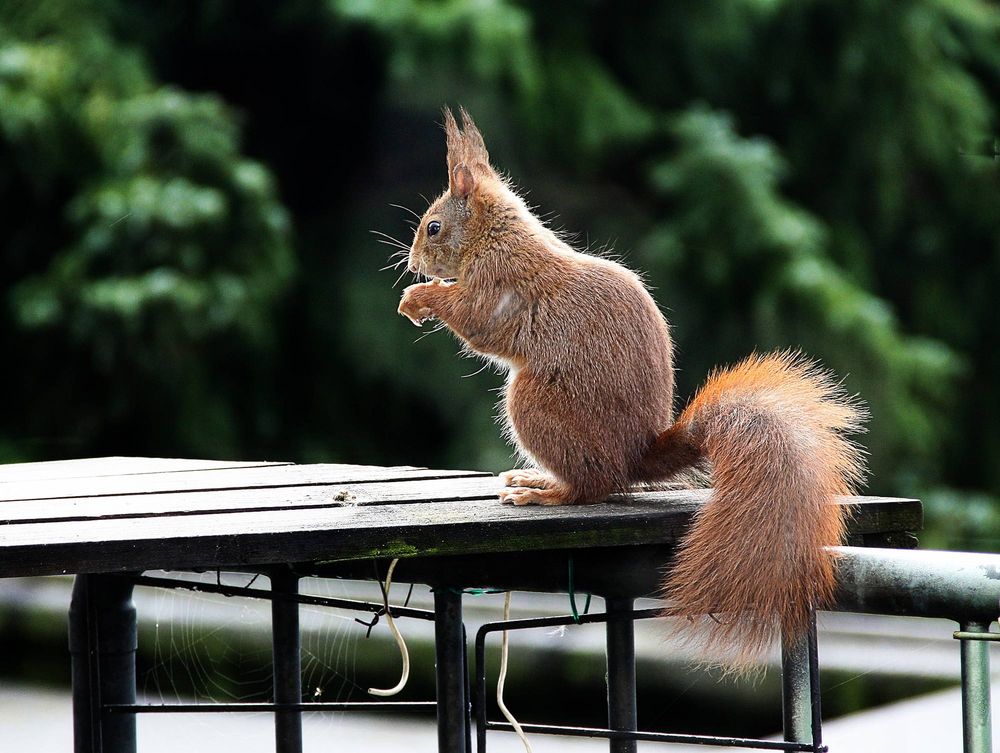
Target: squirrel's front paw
[[413, 304]]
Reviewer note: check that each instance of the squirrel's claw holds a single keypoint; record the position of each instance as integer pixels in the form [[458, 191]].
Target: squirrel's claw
[[518, 495], [417, 320]]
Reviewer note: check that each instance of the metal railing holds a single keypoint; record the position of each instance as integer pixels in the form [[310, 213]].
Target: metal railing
[[800, 688], [962, 587]]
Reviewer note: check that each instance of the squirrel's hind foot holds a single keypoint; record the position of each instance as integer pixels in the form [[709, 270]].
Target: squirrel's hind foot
[[556, 494], [530, 477]]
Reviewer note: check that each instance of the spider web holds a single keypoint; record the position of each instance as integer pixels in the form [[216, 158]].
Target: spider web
[[197, 647]]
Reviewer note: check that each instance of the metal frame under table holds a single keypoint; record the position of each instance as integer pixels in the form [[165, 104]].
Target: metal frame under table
[[109, 520]]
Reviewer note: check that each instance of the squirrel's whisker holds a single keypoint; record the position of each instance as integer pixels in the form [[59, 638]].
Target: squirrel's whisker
[[388, 237], [401, 275], [399, 249], [406, 209], [393, 266]]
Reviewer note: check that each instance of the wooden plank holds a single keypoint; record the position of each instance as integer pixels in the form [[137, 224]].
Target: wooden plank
[[259, 477], [349, 493], [344, 532], [113, 466]]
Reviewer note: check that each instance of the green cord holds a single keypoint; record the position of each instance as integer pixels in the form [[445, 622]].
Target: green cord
[[571, 588], [471, 591]]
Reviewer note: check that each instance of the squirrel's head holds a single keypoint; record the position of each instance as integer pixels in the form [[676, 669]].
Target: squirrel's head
[[451, 228]]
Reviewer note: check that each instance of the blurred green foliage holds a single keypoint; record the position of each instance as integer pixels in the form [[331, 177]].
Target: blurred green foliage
[[142, 250], [188, 190]]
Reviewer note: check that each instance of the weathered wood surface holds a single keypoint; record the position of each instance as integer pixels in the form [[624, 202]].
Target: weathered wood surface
[[217, 516], [262, 477], [114, 466], [348, 493]]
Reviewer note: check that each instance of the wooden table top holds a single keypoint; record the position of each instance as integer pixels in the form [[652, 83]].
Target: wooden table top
[[124, 514]]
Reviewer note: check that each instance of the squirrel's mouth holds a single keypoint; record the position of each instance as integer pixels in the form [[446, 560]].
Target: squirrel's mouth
[[433, 271], [440, 273]]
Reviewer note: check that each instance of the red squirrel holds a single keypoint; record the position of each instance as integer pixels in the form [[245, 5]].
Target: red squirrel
[[589, 403]]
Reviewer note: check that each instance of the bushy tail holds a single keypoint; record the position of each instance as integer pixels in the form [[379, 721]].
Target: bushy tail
[[774, 430]]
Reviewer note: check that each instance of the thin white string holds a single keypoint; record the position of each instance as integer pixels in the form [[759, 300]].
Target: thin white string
[[399, 640], [503, 676]]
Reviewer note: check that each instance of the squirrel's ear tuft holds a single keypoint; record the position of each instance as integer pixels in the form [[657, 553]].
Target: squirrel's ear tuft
[[462, 182], [456, 143], [475, 147]]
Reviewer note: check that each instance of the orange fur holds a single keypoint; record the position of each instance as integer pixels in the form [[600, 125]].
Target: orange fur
[[589, 403], [774, 430]]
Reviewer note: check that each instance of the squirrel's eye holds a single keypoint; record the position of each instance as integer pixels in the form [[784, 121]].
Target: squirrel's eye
[[433, 227]]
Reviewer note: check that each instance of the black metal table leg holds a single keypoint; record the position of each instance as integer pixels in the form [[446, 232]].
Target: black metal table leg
[[286, 658], [452, 699], [622, 714], [102, 644], [468, 690]]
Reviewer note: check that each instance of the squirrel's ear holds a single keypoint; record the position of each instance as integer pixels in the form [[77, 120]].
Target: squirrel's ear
[[456, 144], [463, 182], [467, 155]]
